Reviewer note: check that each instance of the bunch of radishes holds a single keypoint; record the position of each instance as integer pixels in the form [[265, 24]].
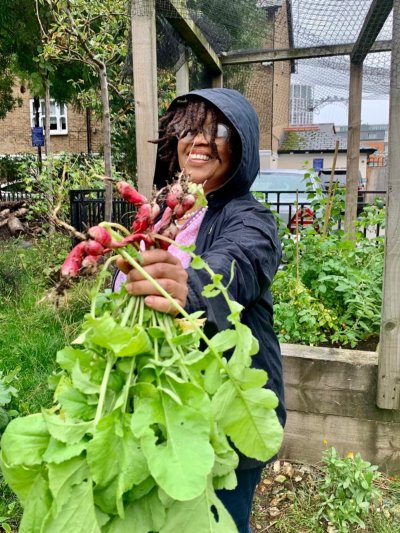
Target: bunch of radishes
[[173, 201]]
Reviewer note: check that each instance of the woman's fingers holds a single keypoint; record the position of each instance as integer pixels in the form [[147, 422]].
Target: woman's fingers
[[169, 273], [123, 265]]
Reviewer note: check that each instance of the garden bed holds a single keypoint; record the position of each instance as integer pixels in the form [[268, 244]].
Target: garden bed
[[288, 500], [331, 398]]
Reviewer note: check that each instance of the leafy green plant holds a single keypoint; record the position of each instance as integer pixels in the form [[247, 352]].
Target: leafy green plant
[[299, 317], [58, 175], [347, 490], [7, 393], [143, 409], [334, 285]]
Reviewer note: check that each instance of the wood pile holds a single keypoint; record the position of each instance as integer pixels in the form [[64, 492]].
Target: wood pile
[[13, 216]]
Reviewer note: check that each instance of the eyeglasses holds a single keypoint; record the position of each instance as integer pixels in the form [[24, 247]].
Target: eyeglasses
[[222, 134]]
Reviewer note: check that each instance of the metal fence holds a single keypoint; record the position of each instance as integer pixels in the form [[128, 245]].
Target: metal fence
[[87, 209], [283, 203]]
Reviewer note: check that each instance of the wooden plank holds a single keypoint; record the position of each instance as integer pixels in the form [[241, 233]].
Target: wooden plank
[[389, 359], [357, 357], [353, 147], [260, 56], [145, 93], [329, 386], [373, 23], [306, 433], [193, 37], [182, 79]]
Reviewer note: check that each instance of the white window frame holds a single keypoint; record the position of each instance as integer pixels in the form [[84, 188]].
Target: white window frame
[[59, 117]]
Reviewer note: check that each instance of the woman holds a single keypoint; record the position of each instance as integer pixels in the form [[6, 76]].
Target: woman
[[213, 135]]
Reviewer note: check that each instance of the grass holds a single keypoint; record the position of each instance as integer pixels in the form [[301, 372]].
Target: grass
[[31, 333]]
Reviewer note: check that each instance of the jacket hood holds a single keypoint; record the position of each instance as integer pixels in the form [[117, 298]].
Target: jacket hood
[[243, 118]]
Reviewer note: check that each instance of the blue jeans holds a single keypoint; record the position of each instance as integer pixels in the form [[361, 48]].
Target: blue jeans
[[240, 500]]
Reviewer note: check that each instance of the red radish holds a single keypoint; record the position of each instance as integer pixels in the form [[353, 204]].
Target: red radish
[[130, 194], [171, 232], [143, 219], [94, 248], [100, 235], [155, 211], [90, 261], [174, 195], [73, 262], [179, 211], [131, 239], [188, 201], [165, 219]]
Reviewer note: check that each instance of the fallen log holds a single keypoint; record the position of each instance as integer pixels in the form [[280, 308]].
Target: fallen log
[[11, 204], [15, 226]]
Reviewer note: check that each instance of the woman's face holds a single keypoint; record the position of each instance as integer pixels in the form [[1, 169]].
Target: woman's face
[[196, 158]]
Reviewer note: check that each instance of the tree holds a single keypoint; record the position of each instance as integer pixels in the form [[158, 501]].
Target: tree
[[93, 34]]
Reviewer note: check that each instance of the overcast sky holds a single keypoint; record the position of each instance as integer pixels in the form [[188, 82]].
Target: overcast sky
[[372, 112]]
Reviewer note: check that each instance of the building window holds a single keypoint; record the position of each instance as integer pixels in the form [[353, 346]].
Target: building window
[[58, 117]]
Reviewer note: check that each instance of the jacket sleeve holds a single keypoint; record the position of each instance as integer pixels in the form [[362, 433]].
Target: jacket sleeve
[[250, 241]]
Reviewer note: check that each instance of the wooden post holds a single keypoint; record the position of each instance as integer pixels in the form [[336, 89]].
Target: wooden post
[[217, 81], [388, 396], [182, 78], [145, 91], [353, 147]]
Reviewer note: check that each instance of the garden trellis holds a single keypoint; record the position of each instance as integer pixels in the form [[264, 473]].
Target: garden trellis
[[348, 50]]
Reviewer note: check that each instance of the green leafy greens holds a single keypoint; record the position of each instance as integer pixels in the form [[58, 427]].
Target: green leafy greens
[[146, 418]]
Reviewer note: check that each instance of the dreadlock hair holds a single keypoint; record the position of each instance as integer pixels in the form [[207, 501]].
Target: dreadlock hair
[[186, 116]]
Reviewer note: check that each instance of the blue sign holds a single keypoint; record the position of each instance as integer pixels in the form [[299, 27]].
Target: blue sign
[[37, 136], [318, 164]]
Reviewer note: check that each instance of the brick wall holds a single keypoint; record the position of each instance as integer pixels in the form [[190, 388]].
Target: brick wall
[[269, 87], [15, 130]]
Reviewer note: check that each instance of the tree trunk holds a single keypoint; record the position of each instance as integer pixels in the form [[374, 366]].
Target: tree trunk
[[107, 142]]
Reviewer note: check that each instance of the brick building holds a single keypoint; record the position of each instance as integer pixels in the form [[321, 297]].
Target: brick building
[[71, 130], [269, 86]]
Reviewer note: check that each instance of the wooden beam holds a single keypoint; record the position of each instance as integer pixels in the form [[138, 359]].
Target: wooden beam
[[373, 23], [353, 148], [330, 396], [389, 358], [287, 54], [182, 78], [307, 435], [145, 93], [333, 382], [193, 37]]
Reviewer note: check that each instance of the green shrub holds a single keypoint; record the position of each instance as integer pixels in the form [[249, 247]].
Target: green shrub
[[347, 490]]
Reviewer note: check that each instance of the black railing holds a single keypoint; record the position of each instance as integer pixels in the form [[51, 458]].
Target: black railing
[[289, 203], [87, 209], [16, 196]]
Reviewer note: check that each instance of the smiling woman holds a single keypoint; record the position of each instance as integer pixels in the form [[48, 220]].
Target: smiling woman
[[212, 135]]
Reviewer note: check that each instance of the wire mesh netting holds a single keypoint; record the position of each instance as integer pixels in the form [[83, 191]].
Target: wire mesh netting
[[358, 30]]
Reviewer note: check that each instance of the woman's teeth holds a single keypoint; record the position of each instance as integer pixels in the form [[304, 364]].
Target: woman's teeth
[[202, 157]]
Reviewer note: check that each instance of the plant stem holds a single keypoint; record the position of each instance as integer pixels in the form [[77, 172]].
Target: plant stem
[[103, 388], [114, 225], [128, 310], [175, 304], [99, 284]]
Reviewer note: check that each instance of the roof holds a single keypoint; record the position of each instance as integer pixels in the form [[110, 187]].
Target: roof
[[314, 138]]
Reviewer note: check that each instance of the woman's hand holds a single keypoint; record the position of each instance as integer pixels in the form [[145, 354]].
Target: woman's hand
[[167, 270]]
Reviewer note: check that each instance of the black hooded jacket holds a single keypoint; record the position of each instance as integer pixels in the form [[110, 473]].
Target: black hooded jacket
[[236, 227]]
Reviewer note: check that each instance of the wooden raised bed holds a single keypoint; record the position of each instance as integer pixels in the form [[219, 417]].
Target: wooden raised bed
[[331, 401]]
